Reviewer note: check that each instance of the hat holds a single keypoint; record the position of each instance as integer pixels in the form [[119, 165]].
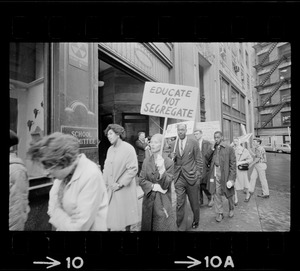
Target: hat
[[14, 140], [198, 127]]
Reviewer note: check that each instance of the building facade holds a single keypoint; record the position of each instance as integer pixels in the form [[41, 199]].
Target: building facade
[[273, 92], [80, 88]]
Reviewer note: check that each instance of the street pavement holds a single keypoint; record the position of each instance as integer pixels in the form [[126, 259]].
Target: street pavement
[[272, 214]]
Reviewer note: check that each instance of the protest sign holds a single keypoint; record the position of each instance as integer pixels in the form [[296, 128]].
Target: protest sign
[[169, 101], [172, 128], [209, 128]]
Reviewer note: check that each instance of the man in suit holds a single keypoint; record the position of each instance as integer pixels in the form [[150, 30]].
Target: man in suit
[[141, 146], [222, 174], [187, 173], [204, 146]]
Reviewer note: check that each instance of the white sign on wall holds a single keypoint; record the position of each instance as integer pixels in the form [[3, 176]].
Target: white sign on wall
[[209, 128], [78, 55], [169, 101], [172, 128]]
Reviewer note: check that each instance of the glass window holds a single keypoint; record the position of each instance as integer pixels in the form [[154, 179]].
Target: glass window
[[285, 73], [226, 130], [27, 103], [247, 59], [242, 106], [263, 97], [234, 99], [286, 118], [225, 91], [265, 118], [235, 129], [285, 95]]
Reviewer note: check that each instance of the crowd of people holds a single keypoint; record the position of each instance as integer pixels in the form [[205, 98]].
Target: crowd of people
[[85, 197]]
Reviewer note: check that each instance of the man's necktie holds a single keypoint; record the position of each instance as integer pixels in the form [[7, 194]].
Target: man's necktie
[[181, 147]]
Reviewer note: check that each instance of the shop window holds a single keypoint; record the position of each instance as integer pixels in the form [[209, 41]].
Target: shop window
[[286, 118], [26, 70], [225, 91]]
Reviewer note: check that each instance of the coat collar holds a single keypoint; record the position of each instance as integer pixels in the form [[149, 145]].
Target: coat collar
[[81, 166]]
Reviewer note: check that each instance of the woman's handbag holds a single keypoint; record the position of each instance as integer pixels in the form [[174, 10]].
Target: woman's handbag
[[243, 166]]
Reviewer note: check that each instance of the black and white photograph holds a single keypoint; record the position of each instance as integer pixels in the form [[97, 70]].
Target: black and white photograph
[[150, 136]]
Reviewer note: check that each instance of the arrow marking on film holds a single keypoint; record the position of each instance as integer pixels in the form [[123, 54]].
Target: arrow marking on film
[[192, 264], [52, 263]]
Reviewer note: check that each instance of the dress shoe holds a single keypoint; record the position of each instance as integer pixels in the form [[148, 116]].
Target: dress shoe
[[263, 196], [231, 213], [211, 203], [219, 217], [195, 225], [247, 199]]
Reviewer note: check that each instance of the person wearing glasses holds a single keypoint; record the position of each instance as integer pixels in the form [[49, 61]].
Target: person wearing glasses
[[78, 200]]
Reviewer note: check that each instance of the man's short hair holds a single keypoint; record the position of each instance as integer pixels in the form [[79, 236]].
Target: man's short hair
[[141, 132], [185, 126], [219, 132], [257, 139]]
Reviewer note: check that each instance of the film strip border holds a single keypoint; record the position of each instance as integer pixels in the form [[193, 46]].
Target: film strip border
[[149, 21], [151, 251]]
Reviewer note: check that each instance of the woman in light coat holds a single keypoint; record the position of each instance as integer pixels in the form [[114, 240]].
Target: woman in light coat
[[242, 181], [78, 199], [18, 189], [155, 179], [120, 170]]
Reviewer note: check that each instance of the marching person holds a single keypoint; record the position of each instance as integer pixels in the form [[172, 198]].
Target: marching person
[[204, 146], [78, 199], [222, 173], [260, 166], [141, 147], [155, 180], [18, 188], [243, 157], [120, 169], [187, 173]]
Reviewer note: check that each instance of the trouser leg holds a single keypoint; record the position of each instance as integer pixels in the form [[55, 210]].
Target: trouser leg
[[261, 168], [192, 192], [231, 203], [180, 190], [201, 194], [218, 198], [253, 178], [207, 193]]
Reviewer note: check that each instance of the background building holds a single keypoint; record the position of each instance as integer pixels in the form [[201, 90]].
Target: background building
[[80, 88], [273, 91]]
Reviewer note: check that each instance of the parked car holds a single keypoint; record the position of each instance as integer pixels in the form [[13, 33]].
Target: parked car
[[269, 147], [283, 148]]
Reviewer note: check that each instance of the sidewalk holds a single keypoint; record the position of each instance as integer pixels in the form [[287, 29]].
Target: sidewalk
[[257, 215]]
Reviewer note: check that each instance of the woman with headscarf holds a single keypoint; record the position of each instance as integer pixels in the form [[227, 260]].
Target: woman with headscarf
[[120, 170], [78, 199], [242, 181], [18, 188], [155, 180]]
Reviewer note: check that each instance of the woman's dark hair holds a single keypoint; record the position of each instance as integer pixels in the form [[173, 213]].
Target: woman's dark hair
[[55, 149], [118, 129]]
